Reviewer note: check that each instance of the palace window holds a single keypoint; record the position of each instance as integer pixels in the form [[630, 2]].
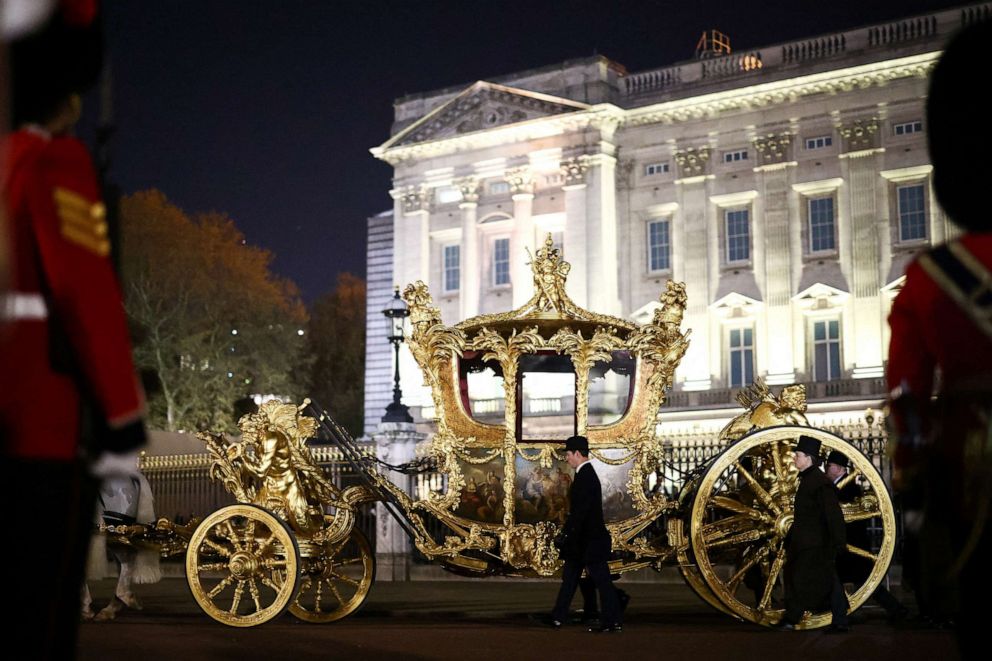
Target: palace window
[[911, 203], [732, 156], [501, 262], [738, 236], [655, 168], [452, 268], [498, 187], [819, 142], [908, 127], [826, 350], [659, 245], [741, 363], [821, 224]]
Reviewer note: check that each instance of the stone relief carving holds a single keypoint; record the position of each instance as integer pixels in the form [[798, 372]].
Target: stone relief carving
[[469, 188], [520, 180], [573, 170], [417, 198], [693, 162], [773, 148], [484, 108], [860, 134]]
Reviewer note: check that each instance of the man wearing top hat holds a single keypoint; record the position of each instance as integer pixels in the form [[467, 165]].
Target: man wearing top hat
[[853, 568], [816, 538], [585, 542]]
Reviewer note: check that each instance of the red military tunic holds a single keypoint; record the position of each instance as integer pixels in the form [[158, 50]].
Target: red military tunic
[[57, 235], [930, 330]]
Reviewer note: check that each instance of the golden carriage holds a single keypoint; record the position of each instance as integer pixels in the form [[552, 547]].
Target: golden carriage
[[290, 542]]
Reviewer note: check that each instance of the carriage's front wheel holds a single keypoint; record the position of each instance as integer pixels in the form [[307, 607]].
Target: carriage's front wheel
[[743, 510], [242, 565]]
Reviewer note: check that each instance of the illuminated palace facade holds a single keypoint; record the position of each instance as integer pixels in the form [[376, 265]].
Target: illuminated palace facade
[[788, 187]]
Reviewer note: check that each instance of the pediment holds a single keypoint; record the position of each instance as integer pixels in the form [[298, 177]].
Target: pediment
[[819, 290], [482, 106], [734, 300]]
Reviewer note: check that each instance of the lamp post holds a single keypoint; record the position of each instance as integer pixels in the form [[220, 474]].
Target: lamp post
[[396, 312]]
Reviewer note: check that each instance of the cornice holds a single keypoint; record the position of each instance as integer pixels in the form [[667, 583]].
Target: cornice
[[608, 117], [783, 91]]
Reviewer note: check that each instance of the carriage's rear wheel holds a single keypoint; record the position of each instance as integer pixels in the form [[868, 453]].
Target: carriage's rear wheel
[[335, 583], [242, 565], [743, 509]]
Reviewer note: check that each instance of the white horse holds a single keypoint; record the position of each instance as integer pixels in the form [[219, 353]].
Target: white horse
[[122, 501]]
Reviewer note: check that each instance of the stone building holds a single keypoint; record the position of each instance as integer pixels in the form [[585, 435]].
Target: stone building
[[787, 186]]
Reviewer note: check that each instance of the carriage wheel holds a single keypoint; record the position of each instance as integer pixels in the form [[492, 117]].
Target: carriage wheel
[[335, 584], [743, 510], [242, 565]]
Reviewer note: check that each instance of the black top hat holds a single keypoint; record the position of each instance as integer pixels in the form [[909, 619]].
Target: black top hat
[[809, 446], [839, 458], [577, 444]]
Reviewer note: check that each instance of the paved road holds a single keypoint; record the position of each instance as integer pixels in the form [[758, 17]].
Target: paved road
[[485, 619]]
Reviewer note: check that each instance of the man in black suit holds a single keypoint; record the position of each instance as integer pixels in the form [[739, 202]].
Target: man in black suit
[[816, 538], [854, 568], [585, 542]]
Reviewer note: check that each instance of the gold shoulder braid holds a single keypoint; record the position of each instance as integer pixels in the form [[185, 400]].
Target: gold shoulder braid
[[82, 222]]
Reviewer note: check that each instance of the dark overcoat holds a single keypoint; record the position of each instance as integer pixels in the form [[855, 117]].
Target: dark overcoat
[[853, 568], [586, 538], [816, 537]]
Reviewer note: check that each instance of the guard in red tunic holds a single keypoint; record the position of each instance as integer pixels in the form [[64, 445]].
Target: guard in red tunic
[[941, 323], [65, 356]]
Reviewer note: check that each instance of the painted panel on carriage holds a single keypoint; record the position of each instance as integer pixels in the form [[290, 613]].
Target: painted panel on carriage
[[482, 497], [617, 503], [541, 492]]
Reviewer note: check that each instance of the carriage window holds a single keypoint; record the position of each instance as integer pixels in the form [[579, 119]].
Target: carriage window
[[481, 386], [610, 385], [548, 397]]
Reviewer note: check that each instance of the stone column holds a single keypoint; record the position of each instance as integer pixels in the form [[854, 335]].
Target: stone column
[[471, 265], [412, 262], [693, 165], [395, 443], [412, 257], [774, 274], [573, 172], [861, 149], [522, 238], [601, 235]]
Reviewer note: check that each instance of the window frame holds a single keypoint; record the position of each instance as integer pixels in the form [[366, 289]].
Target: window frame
[[445, 268], [827, 141], [493, 271], [742, 349], [736, 156], [726, 239], [810, 200], [655, 169], [922, 186], [814, 343], [667, 221], [914, 126]]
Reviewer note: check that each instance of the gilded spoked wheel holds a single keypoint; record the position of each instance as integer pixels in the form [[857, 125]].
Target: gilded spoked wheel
[[743, 510], [242, 565], [334, 584]]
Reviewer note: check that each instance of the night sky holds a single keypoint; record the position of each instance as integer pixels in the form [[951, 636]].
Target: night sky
[[266, 110]]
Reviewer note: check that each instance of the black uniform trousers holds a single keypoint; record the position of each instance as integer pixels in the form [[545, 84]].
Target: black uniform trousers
[[46, 569], [599, 572]]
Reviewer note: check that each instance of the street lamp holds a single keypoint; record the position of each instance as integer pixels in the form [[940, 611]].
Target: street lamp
[[396, 312]]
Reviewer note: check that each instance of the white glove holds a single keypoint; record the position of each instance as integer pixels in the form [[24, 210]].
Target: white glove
[[112, 464]]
